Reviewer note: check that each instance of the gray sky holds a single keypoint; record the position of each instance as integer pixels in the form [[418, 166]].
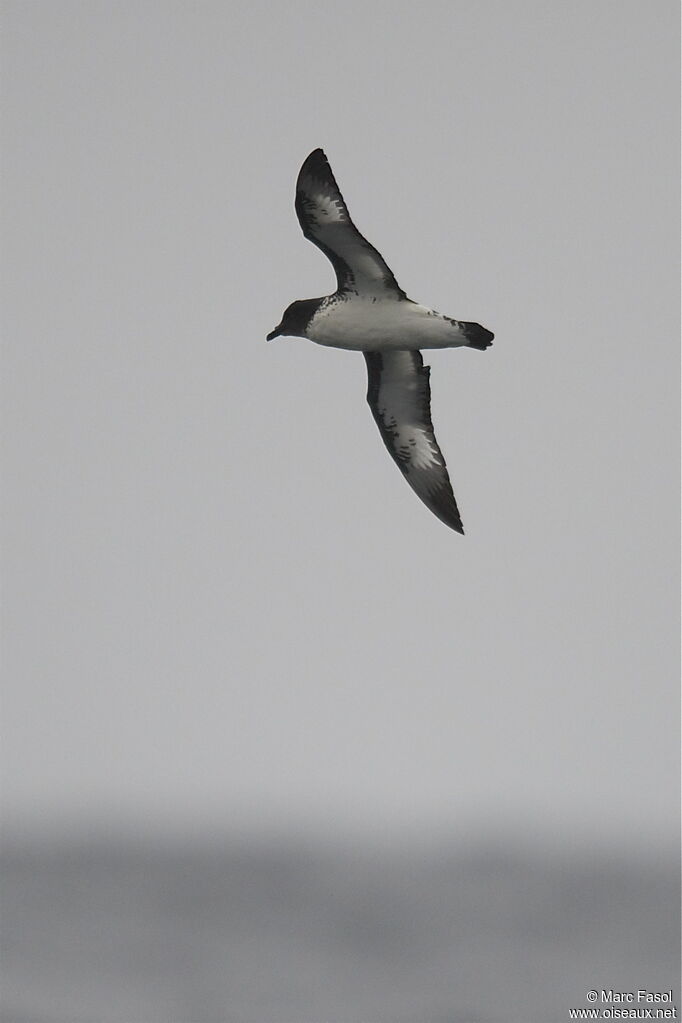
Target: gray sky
[[222, 603]]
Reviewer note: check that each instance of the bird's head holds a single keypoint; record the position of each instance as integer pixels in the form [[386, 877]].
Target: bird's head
[[295, 319]]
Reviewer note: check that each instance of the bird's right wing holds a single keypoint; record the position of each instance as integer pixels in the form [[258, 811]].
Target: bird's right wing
[[399, 396], [325, 221]]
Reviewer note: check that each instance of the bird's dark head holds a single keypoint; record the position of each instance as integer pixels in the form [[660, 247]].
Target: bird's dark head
[[296, 318]]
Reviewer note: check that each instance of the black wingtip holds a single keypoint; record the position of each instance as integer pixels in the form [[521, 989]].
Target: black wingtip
[[317, 167], [445, 508], [453, 523], [315, 161]]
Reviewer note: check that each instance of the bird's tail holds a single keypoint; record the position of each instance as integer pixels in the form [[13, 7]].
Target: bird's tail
[[477, 336]]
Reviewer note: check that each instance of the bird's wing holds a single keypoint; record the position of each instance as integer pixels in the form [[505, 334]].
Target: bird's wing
[[399, 396], [325, 221]]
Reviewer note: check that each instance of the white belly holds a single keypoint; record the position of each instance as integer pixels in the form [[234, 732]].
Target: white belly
[[375, 324]]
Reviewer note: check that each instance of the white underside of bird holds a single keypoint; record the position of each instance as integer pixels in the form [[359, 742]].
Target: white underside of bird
[[367, 322]]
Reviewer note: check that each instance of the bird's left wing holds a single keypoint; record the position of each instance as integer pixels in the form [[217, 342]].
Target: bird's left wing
[[399, 396], [325, 221]]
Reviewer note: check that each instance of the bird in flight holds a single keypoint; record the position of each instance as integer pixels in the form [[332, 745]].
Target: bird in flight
[[370, 313]]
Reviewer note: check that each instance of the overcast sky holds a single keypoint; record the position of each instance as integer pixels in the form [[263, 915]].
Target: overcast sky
[[223, 605]]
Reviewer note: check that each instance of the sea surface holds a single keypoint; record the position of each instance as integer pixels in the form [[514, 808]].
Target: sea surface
[[289, 932]]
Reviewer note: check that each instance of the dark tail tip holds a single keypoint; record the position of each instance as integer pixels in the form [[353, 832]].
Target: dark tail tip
[[478, 336]]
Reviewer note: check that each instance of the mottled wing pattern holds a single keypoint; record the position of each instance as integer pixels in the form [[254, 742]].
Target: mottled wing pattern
[[325, 221], [399, 396]]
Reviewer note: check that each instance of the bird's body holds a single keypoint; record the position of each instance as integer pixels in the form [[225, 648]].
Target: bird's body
[[366, 322], [370, 313]]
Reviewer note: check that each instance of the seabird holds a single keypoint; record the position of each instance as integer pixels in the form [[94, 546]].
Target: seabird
[[370, 313]]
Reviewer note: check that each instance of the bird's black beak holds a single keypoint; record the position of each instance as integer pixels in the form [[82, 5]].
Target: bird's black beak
[[277, 332]]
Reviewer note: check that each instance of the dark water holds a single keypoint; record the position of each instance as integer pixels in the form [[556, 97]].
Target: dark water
[[97, 932]]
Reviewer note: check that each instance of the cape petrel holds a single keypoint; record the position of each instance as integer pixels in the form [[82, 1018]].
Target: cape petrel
[[370, 313]]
